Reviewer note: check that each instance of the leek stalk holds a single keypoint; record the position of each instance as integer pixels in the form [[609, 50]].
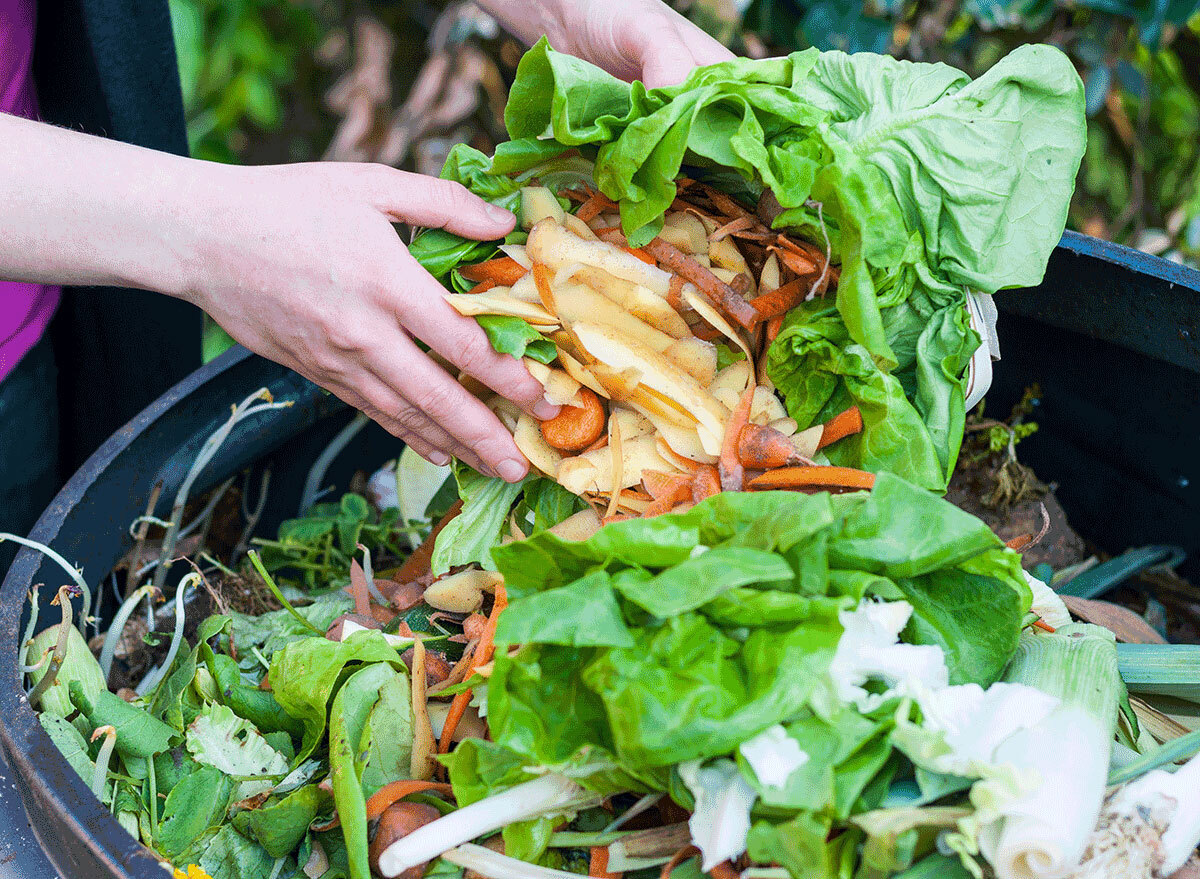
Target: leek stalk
[[1043, 832]]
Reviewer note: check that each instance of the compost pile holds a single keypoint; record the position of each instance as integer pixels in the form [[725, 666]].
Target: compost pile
[[726, 626]]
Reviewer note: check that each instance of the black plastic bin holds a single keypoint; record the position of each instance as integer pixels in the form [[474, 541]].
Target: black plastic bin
[[1111, 335]]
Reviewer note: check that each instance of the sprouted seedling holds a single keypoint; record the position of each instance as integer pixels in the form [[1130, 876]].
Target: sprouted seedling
[[59, 654], [150, 681], [316, 474], [251, 516], [75, 573], [117, 630], [208, 451], [100, 776], [31, 626]]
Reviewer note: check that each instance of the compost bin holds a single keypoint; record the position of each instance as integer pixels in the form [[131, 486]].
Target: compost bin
[[1111, 335]]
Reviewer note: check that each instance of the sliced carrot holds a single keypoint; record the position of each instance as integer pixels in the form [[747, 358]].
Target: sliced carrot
[[1019, 542], [774, 325], [617, 517], [417, 564], [388, 795], [763, 448], [598, 865], [705, 483], [840, 426], [816, 478], [780, 301], [659, 485], [483, 654], [484, 287], [501, 270], [729, 467], [1045, 627], [641, 254], [598, 444]]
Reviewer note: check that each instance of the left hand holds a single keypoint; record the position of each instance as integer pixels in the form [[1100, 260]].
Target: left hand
[[632, 39]]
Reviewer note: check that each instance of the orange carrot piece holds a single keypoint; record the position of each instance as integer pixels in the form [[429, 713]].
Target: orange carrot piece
[[483, 287], [705, 483], [417, 564], [774, 325], [730, 468], [483, 654], [641, 254], [840, 426], [717, 291], [392, 793], [1019, 542], [815, 478], [616, 517], [763, 448], [501, 270], [1045, 627], [597, 204], [780, 301], [659, 485], [386, 796], [598, 865]]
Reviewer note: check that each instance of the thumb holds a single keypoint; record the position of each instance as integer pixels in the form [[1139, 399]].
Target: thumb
[[673, 48], [420, 200]]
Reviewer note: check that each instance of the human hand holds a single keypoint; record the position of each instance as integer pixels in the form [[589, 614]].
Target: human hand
[[632, 39], [301, 264]]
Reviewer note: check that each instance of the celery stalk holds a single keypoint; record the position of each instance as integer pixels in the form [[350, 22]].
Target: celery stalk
[[1043, 832]]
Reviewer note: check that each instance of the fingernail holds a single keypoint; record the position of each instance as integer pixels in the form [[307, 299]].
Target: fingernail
[[543, 410], [511, 470], [439, 458], [499, 214]]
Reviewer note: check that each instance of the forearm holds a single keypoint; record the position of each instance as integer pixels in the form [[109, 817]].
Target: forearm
[[79, 209]]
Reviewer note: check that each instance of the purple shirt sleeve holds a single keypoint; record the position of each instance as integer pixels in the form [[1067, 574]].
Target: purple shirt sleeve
[[25, 309]]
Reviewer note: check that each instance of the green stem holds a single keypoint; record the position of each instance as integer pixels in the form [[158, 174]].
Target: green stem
[[262, 572]]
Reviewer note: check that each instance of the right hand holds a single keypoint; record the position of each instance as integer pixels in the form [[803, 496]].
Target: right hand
[[301, 264]]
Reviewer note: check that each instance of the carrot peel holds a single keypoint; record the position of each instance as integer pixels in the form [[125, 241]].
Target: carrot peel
[[840, 426], [503, 270], [807, 478], [483, 654], [730, 467]]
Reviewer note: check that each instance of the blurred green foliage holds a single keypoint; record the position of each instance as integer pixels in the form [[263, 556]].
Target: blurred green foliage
[[236, 59]]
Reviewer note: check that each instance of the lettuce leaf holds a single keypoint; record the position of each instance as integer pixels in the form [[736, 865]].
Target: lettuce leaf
[[677, 638], [925, 182]]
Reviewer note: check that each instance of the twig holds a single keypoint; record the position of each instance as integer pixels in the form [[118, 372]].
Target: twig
[[139, 545]]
